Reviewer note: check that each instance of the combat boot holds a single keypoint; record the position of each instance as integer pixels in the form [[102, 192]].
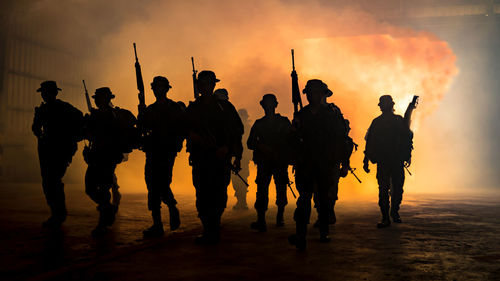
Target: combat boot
[[156, 230], [385, 220], [111, 211], [395, 216], [260, 224], [175, 220], [299, 239], [279, 217], [101, 227]]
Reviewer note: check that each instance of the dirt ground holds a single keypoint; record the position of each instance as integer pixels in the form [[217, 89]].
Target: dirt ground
[[441, 238]]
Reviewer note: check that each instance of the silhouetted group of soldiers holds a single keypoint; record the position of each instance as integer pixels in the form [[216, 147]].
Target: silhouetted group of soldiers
[[316, 143]]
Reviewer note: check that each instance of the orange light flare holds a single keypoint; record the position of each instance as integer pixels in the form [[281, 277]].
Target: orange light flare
[[248, 46]]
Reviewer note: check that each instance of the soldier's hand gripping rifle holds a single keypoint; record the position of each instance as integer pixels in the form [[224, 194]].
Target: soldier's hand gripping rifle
[[140, 84], [296, 100], [195, 84], [87, 98]]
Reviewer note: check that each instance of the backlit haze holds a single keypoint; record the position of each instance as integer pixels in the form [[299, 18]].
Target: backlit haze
[[247, 44]]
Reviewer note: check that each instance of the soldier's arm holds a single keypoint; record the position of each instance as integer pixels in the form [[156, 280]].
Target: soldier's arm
[[36, 127], [252, 138]]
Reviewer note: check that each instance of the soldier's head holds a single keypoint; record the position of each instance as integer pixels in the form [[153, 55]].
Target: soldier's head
[[243, 113], [102, 97], [160, 86], [206, 82], [386, 103], [269, 103], [48, 90], [316, 91], [221, 94]]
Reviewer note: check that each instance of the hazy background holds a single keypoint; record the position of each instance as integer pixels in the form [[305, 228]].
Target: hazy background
[[361, 50]]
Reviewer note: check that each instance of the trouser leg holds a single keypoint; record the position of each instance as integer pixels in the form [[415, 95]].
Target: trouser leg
[[52, 171], [211, 180], [263, 180], [397, 177]]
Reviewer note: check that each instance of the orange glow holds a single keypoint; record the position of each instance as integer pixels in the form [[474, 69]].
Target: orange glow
[[248, 45]]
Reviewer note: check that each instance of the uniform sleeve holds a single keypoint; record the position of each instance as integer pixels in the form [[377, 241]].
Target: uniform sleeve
[[368, 139], [237, 130], [252, 138]]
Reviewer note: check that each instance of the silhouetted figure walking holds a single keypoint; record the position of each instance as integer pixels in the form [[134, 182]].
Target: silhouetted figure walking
[[269, 140], [240, 188], [163, 130], [320, 141], [341, 169], [215, 131], [58, 127], [111, 132], [389, 145]]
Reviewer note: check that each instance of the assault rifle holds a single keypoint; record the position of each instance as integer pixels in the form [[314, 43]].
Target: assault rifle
[[195, 84], [296, 100], [140, 83], [407, 119], [87, 98]]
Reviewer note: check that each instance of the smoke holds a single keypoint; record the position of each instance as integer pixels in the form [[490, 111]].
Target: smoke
[[247, 44]]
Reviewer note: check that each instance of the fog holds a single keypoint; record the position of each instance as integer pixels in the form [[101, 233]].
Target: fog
[[247, 44]]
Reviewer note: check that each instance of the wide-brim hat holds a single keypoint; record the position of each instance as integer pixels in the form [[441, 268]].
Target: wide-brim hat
[[316, 83], [207, 74], [161, 80], [269, 98], [48, 85], [221, 94], [104, 92], [385, 99]]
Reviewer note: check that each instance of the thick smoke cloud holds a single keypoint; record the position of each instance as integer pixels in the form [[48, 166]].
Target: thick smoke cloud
[[247, 44]]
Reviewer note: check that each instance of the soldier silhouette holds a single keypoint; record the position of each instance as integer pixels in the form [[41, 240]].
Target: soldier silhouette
[[389, 145], [58, 127], [214, 138], [163, 131], [338, 170], [111, 132], [240, 188], [320, 136], [271, 151]]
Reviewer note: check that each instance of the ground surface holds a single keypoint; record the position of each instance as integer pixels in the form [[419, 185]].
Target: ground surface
[[441, 238]]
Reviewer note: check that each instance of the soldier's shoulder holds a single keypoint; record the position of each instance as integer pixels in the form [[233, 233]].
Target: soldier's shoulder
[[68, 107], [283, 118], [124, 112]]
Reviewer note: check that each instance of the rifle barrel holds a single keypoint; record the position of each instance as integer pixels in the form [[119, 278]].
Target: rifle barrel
[[135, 53], [293, 61]]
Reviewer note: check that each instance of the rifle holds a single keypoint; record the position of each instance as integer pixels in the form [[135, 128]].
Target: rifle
[[291, 189], [140, 83], [407, 119], [409, 110], [195, 84], [236, 172], [296, 100], [87, 98], [351, 170]]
